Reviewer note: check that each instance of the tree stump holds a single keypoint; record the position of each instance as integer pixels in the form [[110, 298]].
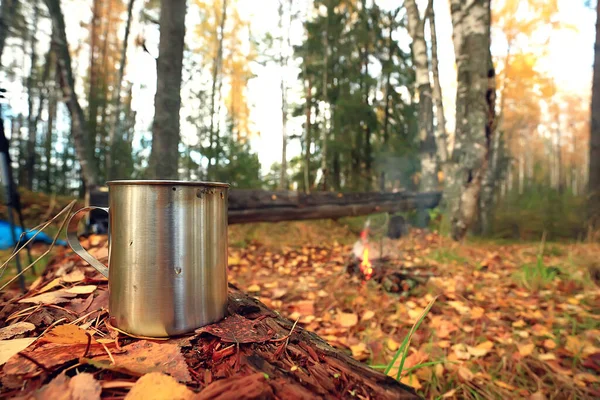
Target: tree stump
[[252, 354]]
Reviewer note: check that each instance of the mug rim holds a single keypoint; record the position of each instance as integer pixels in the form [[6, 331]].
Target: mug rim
[[165, 182]]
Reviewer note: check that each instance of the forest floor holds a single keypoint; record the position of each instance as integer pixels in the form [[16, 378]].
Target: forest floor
[[516, 320]]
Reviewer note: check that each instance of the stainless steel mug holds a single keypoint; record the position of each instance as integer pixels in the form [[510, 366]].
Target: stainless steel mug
[[167, 260]]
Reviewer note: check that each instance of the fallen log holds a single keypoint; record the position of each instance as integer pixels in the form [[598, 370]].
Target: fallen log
[[247, 206], [253, 353]]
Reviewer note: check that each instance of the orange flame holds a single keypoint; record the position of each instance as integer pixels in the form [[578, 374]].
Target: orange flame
[[365, 265]]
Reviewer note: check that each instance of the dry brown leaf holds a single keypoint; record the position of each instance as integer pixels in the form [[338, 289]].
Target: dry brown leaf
[[347, 320], [465, 374], [359, 351], [461, 351], [85, 289], [49, 355], [519, 324], [549, 344], [15, 329], [145, 356], [477, 312], [449, 394], [526, 349], [505, 385], [76, 275], [81, 387], [411, 380], [158, 386], [537, 396], [9, 348], [56, 297], [50, 285], [367, 315], [481, 349], [67, 334]]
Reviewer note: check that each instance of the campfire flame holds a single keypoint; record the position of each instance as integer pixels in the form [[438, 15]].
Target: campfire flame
[[365, 266]]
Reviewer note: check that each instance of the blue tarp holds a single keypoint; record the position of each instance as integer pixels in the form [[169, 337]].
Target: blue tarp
[[6, 240]]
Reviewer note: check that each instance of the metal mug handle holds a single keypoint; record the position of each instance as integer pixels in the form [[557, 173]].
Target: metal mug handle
[[74, 241]]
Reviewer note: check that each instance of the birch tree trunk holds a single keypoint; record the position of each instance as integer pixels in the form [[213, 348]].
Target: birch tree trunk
[[213, 160], [79, 127], [307, 138], [428, 181], [283, 61], [114, 142], [440, 126], [167, 101], [475, 100], [326, 128]]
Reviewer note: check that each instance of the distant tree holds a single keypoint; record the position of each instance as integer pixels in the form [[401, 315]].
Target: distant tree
[[594, 158], [79, 128], [164, 157]]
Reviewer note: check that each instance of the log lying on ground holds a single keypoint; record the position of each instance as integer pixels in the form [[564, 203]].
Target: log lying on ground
[[252, 354], [262, 206], [246, 206]]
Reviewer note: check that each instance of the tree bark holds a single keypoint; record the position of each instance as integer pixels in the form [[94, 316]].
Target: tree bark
[[416, 24], [440, 126], [214, 146], [8, 9], [167, 101], [79, 128], [307, 138], [284, 112], [325, 134], [475, 100], [31, 119], [114, 141], [49, 140]]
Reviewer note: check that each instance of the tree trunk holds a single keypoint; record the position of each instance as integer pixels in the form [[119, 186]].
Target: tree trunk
[[167, 101], [475, 99], [440, 127], [79, 128], [31, 120], [112, 170], [49, 140], [213, 160], [284, 112], [325, 134], [307, 138], [93, 82], [8, 9], [428, 180]]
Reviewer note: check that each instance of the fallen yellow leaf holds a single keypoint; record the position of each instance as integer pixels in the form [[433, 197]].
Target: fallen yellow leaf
[[156, 385], [254, 288], [67, 334], [392, 344], [477, 312], [347, 320], [505, 385], [359, 351], [549, 344], [367, 315], [465, 374], [519, 324], [411, 380], [526, 349], [481, 349]]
